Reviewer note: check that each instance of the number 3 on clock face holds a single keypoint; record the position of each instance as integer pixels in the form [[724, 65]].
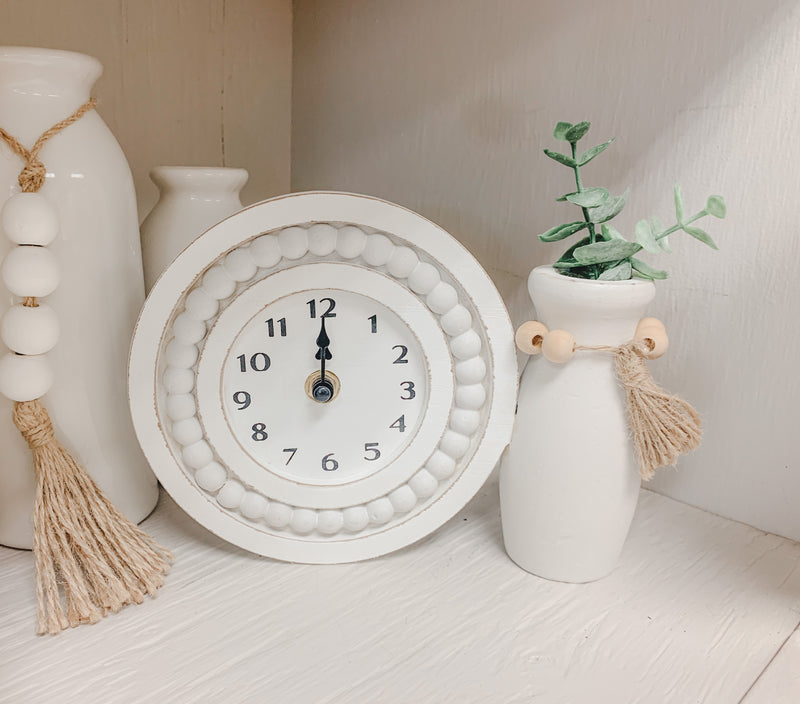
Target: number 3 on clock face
[[323, 377]]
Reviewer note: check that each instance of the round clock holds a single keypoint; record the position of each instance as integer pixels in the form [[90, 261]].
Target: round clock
[[323, 377]]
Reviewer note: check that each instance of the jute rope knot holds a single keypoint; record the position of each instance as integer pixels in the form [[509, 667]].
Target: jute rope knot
[[90, 559], [33, 422]]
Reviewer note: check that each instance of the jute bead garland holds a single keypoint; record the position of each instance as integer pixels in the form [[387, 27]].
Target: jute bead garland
[[90, 560], [663, 426]]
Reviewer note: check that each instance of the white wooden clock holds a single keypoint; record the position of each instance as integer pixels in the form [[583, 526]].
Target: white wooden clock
[[323, 377]]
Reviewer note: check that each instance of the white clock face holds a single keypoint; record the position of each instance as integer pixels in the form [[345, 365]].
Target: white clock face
[[376, 369], [252, 437]]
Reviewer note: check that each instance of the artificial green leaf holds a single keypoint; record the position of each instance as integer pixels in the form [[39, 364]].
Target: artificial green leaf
[[658, 229], [565, 196], [647, 271], [611, 251], [567, 256], [610, 209], [590, 154], [701, 235], [582, 272], [588, 198], [663, 242], [611, 233], [679, 204], [561, 130], [644, 236], [561, 158], [559, 232], [576, 132], [716, 206], [567, 265], [620, 272]]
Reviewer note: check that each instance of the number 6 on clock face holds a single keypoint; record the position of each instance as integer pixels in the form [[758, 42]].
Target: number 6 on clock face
[[332, 376]]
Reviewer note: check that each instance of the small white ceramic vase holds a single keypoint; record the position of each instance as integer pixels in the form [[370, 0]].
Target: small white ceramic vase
[[569, 481], [191, 200], [101, 289]]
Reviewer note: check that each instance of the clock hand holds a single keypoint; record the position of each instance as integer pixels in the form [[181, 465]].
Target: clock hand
[[322, 390]]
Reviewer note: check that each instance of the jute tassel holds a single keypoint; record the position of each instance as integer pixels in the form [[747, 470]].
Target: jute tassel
[[90, 560], [663, 426]]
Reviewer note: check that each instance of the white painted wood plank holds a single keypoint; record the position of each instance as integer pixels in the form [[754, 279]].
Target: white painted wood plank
[[696, 610], [780, 682]]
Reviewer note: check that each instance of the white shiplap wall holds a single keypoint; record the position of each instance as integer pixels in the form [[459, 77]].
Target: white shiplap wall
[[445, 106]]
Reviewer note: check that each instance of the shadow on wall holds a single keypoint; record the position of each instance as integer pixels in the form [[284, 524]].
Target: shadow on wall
[[445, 106]]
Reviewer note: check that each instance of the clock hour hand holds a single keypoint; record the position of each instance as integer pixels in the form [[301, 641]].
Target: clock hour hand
[[322, 391]]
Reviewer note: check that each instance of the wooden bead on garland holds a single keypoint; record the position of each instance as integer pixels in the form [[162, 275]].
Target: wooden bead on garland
[[654, 334], [529, 337], [90, 560], [558, 346]]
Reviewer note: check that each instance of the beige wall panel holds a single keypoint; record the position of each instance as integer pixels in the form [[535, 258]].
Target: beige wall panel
[[188, 82], [445, 107]]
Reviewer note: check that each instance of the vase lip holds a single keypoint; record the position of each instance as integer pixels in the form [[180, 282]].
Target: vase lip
[[39, 57], [199, 176], [551, 273]]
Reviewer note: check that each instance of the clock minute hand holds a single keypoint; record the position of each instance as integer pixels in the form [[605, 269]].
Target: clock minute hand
[[323, 389]]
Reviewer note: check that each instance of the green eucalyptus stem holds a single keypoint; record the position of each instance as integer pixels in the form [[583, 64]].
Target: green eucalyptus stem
[[678, 226], [579, 186]]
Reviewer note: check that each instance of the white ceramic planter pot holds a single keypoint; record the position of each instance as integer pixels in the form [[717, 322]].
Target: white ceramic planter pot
[[191, 200], [101, 289], [569, 482]]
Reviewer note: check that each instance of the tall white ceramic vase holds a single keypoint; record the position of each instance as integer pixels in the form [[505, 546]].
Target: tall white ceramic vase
[[101, 289], [569, 481], [191, 200]]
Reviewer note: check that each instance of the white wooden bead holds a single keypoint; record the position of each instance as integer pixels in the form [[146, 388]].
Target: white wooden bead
[[330, 522], [219, 283], [456, 321], [278, 515], [350, 241], [558, 346], [29, 218], [470, 371], [402, 262], [377, 250], [423, 484], [240, 265], [442, 298], [188, 330], [304, 520], [178, 381], [464, 421], [29, 330], [321, 239], [231, 494], [380, 510], [465, 345], [266, 251], [293, 242], [211, 477], [423, 279], [656, 335], [198, 454], [25, 378], [403, 499], [470, 396], [200, 305], [187, 431], [253, 506], [529, 337], [180, 356], [440, 465], [180, 406], [356, 518], [454, 444], [31, 271]]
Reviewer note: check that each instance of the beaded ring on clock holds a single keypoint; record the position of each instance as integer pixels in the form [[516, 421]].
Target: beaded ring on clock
[[256, 259]]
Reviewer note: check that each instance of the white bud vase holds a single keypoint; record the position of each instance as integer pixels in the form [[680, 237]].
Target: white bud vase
[[569, 482], [191, 200], [101, 290]]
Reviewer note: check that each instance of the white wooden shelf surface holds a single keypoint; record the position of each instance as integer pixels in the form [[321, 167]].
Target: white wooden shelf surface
[[700, 609]]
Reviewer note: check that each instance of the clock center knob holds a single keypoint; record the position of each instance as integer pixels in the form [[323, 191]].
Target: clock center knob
[[322, 390]]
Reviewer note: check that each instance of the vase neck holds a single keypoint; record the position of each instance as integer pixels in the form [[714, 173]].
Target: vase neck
[[208, 183], [39, 87]]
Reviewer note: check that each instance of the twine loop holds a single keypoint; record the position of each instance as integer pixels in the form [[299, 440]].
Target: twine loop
[[32, 176]]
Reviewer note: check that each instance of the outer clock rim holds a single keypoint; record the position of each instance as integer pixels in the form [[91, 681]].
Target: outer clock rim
[[281, 212]]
